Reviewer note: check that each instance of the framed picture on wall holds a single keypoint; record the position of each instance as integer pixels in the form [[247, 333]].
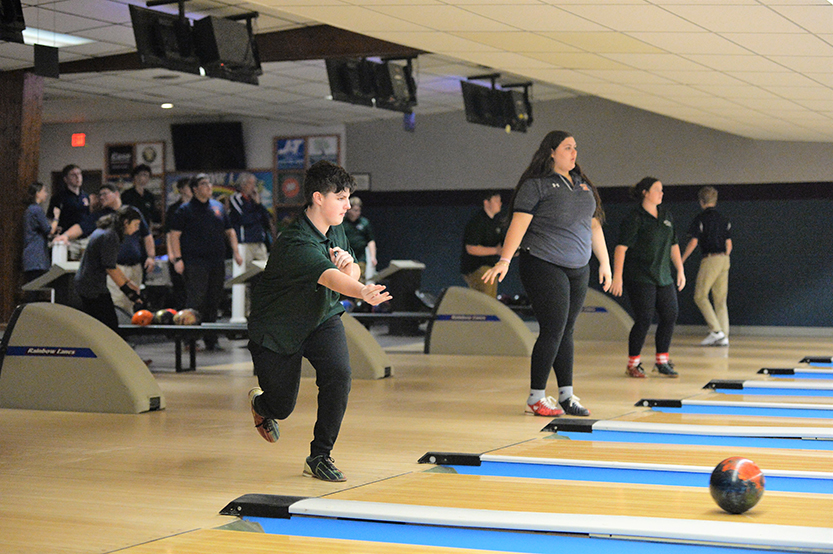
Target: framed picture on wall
[[362, 181], [151, 154], [291, 153], [289, 190], [120, 160], [323, 148]]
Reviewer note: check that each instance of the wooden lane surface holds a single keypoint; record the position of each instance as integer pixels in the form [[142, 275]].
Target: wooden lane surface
[[674, 454], [651, 416], [222, 541], [574, 497], [723, 397]]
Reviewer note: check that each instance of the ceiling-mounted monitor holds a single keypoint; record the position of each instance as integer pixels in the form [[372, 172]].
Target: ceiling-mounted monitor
[[227, 49], [395, 87], [12, 23], [493, 107], [164, 40], [384, 85], [352, 81]]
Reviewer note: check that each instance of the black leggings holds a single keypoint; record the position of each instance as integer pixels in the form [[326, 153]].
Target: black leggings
[[279, 375], [101, 307], [647, 299], [557, 297]]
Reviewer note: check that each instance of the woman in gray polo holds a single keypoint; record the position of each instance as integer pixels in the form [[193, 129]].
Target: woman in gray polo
[[557, 223]]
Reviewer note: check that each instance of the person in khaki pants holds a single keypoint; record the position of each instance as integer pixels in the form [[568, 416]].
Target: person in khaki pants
[[482, 243], [712, 232]]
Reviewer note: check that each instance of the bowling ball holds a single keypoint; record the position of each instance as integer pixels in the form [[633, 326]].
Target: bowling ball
[[736, 484], [142, 317], [349, 305], [163, 317], [188, 316]]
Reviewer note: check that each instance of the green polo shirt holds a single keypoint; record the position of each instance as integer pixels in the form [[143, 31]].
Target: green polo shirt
[[649, 240], [287, 302]]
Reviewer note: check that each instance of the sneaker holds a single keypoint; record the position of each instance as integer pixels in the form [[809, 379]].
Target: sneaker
[[268, 428], [713, 338], [637, 372], [321, 467], [722, 342], [546, 407], [666, 369], [572, 407]]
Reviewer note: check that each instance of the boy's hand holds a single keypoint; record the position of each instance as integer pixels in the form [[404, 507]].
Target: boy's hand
[[374, 295], [341, 258]]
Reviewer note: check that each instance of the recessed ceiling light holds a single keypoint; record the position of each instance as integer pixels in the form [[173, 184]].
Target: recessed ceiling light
[[32, 35], [166, 106]]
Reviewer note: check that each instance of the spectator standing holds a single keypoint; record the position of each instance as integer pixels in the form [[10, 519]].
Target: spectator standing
[[482, 243], [360, 234], [199, 232], [70, 206], [251, 220], [642, 262], [178, 294], [713, 233], [139, 197], [36, 233], [296, 314]]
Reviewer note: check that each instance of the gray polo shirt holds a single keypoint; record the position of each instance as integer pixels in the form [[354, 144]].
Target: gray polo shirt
[[560, 231]]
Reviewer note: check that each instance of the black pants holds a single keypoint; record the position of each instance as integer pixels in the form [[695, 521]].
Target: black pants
[[557, 297], [279, 375], [101, 307], [647, 299], [204, 286]]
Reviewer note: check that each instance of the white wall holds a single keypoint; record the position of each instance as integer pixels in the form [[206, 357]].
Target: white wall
[[618, 145], [258, 134]]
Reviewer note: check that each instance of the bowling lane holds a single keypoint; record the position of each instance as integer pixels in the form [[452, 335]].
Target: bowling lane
[[729, 420], [768, 459], [775, 387], [740, 408], [570, 497]]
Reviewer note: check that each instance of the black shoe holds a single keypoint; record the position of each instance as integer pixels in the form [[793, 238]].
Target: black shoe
[[573, 408], [321, 467], [666, 369]]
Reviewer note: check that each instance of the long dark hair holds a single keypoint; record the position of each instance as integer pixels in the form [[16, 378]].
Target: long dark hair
[[542, 165], [32, 193], [638, 191], [117, 219]]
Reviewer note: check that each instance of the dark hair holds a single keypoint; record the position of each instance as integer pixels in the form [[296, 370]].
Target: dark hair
[[489, 194], [182, 182], [139, 168], [67, 168], [117, 219], [108, 186], [542, 165], [32, 192], [324, 176], [195, 180], [639, 189]]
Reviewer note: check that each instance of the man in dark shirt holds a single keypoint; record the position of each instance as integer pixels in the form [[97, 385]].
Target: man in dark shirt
[[70, 206], [141, 198], [712, 232], [482, 242], [199, 231], [178, 293]]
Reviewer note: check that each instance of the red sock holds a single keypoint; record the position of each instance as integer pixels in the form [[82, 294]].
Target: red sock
[[633, 361], [662, 358]]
